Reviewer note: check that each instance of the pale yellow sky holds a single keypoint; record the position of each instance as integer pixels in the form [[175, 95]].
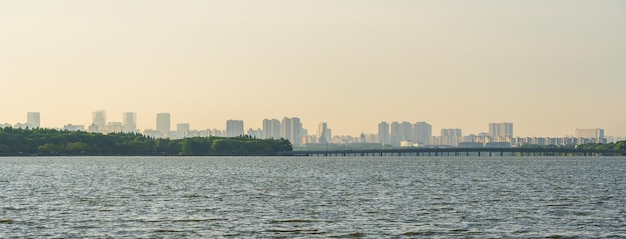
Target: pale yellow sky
[[547, 66]]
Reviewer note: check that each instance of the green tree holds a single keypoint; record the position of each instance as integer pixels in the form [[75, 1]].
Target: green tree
[[78, 147], [50, 148]]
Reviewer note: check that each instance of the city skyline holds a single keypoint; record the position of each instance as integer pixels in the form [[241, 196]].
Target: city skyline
[[419, 131], [548, 67]]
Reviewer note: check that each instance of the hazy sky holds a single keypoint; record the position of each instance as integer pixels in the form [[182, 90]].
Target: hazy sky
[[547, 66]]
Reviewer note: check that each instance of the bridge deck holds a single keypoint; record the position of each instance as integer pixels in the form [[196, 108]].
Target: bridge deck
[[463, 152]]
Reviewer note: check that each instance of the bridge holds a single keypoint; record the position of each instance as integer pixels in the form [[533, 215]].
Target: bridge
[[458, 152]]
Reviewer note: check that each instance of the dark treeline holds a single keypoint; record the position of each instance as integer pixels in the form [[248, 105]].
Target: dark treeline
[[53, 142]]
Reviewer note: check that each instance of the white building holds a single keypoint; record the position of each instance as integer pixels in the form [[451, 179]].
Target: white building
[[501, 130], [271, 129], [323, 133], [292, 130], [21, 126], [234, 128], [70, 127], [182, 130], [255, 133], [129, 120], [422, 132], [399, 132], [383, 133], [451, 137], [408, 144], [98, 121], [163, 124], [33, 120]]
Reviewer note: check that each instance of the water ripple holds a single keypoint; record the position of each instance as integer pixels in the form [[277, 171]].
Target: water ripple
[[241, 197]]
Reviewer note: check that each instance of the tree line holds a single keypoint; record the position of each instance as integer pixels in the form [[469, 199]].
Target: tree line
[[40, 141]]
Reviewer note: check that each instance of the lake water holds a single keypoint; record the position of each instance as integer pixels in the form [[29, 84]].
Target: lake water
[[303, 197]]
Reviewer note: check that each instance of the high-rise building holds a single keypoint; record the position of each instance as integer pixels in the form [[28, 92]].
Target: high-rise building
[[590, 133], [422, 133], [255, 133], [267, 129], [406, 130], [323, 133], [383, 133], [129, 124], [33, 120], [292, 130], [451, 132], [271, 129], [400, 132], [277, 129], [182, 130], [98, 121], [163, 123], [234, 128], [450, 137], [501, 130], [286, 126]]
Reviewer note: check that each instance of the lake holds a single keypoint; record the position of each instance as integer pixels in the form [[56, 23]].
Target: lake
[[312, 197]]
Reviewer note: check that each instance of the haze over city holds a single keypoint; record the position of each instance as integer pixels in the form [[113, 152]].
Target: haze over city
[[548, 67]]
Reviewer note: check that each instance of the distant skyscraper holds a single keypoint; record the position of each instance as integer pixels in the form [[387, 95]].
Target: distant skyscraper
[[422, 131], [286, 128], [255, 133], [406, 130], [451, 132], [129, 122], [399, 132], [292, 130], [450, 137], [383, 133], [234, 128], [182, 129], [501, 130], [33, 119], [298, 131], [590, 133], [163, 123], [271, 129], [267, 129], [98, 122], [323, 133]]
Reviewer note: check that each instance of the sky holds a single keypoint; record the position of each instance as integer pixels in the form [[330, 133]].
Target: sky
[[548, 67]]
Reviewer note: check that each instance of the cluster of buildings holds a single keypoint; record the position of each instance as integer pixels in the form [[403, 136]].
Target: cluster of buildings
[[33, 120], [394, 134], [419, 134]]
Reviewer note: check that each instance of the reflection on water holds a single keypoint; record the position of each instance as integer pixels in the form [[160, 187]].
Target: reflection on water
[[312, 197]]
